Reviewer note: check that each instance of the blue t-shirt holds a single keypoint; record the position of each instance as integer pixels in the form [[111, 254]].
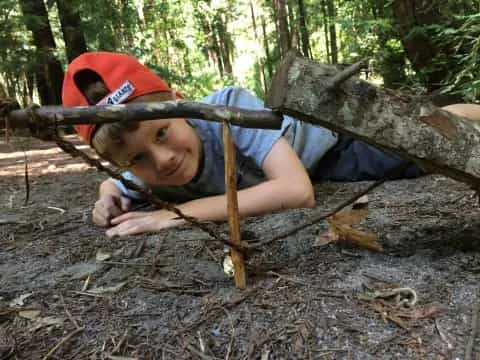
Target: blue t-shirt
[[310, 142]]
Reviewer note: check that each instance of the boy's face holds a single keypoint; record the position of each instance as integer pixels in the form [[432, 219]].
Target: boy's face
[[163, 152]]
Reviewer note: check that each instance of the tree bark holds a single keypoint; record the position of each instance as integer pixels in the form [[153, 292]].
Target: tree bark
[[50, 116], [73, 36], [261, 68], [325, 30], [332, 31], [225, 44], [48, 70], [281, 14], [268, 57], [302, 19], [415, 129]]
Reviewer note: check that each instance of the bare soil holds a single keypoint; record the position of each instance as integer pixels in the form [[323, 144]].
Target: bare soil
[[166, 296]]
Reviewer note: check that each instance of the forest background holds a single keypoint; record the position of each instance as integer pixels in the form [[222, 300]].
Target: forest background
[[199, 46]]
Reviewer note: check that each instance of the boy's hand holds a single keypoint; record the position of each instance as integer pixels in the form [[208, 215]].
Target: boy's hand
[[134, 222], [109, 206]]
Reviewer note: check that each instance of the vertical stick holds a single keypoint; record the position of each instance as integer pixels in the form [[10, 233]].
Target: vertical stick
[[240, 275]]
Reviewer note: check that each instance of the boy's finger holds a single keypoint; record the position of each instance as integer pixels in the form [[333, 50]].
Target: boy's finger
[[99, 219], [125, 203], [126, 216], [123, 229]]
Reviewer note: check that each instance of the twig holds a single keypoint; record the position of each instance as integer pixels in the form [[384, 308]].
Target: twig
[[150, 197], [27, 181], [239, 271], [345, 74], [74, 322], [88, 294], [201, 355], [474, 329], [120, 343], [232, 336], [64, 340], [53, 116], [392, 174], [129, 263]]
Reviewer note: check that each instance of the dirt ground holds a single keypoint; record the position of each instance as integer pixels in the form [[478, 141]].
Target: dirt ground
[[69, 292]]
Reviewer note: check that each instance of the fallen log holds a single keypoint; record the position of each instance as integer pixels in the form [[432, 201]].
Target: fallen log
[[413, 128]]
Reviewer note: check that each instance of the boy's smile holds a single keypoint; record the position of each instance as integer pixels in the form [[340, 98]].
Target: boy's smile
[[162, 152]]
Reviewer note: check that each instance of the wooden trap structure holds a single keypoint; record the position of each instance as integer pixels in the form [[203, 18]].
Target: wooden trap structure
[[409, 126]]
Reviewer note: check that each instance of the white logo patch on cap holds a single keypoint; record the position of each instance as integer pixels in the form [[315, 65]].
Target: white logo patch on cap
[[119, 95]]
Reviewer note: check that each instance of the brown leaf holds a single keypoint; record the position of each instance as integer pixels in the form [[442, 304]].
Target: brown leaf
[[351, 217], [340, 224], [429, 311], [360, 203], [325, 238]]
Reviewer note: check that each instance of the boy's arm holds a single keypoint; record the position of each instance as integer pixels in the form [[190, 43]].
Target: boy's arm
[[469, 111], [287, 186]]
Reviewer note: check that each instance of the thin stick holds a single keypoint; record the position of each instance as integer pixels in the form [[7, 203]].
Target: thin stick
[[69, 148], [53, 116], [392, 174], [239, 271], [64, 340], [345, 74], [74, 322], [473, 333]]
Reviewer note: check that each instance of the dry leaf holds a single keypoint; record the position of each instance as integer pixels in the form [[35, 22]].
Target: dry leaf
[[106, 289], [114, 357], [360, 203], [228, 266], [350, 217], [29, 314], [340, 230], [46, 321], [102, 256], [424, 312], [19, 301], [325, 238]]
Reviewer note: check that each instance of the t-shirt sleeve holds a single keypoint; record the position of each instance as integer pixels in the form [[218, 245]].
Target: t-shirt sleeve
[[253, 143], [127, 192]]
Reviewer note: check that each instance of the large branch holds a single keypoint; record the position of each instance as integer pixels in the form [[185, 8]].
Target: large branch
[[47, 116], [436, 140]]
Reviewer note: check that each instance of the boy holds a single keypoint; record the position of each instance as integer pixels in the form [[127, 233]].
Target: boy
[[182, 159]]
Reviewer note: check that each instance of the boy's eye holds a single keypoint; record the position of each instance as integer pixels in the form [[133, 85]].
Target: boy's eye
[[161, 133], [137, 159]]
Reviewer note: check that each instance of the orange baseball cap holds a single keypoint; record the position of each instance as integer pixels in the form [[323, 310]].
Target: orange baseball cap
[[122, 74]]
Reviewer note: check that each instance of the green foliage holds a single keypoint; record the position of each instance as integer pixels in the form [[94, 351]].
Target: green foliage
[[198, 46], [15, 50], [463, 35]]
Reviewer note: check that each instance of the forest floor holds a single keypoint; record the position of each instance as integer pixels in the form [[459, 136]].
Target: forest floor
[[69, 292]]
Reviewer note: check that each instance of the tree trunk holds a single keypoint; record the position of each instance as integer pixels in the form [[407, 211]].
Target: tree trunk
[[261, 68], [302, 20], [416, 130], [225, 43], [268, 57], [48, 70], [292, 29], [75, 43], [332, 31], [325, 30], [420, 50], [281, 14]]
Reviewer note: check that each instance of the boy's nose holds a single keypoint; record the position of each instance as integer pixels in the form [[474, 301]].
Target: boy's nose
[[164, 159]]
